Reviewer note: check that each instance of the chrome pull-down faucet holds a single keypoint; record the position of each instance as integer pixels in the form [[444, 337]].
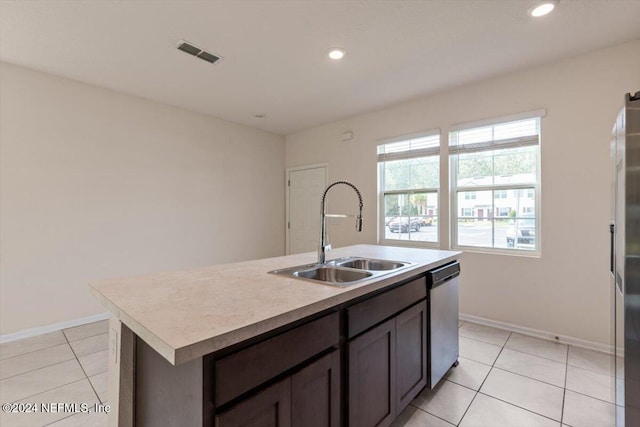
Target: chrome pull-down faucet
[[324, 245]]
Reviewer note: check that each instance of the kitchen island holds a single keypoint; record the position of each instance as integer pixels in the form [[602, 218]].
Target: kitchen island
[[215, 345]]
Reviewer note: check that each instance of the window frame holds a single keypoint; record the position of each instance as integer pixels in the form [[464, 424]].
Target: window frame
[[426, 190], [454, 189]]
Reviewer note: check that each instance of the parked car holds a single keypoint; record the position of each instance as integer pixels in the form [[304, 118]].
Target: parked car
[[427, 220], [403, 225], [522, 235]]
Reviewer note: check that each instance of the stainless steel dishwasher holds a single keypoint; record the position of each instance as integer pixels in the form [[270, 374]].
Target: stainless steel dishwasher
[[443, 321]]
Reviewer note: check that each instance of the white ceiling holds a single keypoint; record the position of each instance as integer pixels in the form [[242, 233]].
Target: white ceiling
[[275, 52]]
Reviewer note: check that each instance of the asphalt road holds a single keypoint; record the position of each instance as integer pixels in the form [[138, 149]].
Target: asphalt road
[[468, 235]]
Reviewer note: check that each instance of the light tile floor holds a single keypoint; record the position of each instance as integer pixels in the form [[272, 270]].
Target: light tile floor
[[504, 379], [68, 366], [512, 380]]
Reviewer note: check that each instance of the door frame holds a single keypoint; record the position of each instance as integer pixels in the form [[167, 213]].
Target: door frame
[[286, 192]]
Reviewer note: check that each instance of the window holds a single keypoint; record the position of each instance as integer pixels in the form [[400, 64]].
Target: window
[[503, 211], [498, 165], [409, 179], [528, 211]]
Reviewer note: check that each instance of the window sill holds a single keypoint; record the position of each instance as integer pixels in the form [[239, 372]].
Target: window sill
[[497, 251], [410, 244]]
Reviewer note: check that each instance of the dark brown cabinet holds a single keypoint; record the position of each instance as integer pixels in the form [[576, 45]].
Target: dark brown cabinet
[[360, 365], [245, 370], [372, 365], [316, 393], [411, 354], [309, 397], [387, 368], [269, 408]]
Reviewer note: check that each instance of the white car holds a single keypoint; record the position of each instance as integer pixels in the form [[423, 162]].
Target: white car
[[522, 235]]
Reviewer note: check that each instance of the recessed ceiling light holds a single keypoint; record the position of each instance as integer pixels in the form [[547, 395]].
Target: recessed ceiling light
[[336, 53], [542, 8]]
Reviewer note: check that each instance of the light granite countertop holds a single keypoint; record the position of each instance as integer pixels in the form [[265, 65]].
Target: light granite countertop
[[184, 315]]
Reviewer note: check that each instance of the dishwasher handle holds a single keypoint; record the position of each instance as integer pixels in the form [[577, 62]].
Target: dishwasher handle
[[443, 274]]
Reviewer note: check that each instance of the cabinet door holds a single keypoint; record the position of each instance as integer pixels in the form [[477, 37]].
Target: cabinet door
[[269, 408], [315, 391], [372, 365], [411, 358]]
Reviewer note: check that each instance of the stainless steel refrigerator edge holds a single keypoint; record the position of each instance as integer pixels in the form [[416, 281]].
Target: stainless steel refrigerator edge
[[625, 261]]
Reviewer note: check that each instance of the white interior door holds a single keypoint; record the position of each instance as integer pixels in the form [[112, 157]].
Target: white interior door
[[305, 191]]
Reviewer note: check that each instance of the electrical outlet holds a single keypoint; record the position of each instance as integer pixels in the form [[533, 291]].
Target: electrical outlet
[[113, 345]]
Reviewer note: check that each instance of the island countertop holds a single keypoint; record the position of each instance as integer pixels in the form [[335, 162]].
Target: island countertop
[[184, 315]]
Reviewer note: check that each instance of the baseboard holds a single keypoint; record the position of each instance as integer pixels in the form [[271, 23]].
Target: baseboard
[[28, 333], [549, 336]]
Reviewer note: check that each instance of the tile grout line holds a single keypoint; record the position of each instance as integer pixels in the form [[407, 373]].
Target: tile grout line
[[520, 407], [526, 376], [504, 401], [435, 416], [444, 379], [83, 371], [33, 351], [475, 391], [566, 363], [89, 354], [92, 336], [485, 342], [531, 354], [540, 381], [56, 363], [588, 370], [66, 340], [36, 369], [564, 391], [475, 394], [48, 390], [485, 379], [591, 397]]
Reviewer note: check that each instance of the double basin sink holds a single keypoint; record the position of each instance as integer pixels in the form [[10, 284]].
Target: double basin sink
[[343, 272]]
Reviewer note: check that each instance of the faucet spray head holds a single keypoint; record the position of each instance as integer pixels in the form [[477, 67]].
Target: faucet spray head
[[359, 223]]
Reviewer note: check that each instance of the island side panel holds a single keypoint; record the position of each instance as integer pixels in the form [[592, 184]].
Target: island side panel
[[121, 376], [167, 395]]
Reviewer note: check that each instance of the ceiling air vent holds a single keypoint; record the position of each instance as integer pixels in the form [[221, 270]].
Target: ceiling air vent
[[197, 52]]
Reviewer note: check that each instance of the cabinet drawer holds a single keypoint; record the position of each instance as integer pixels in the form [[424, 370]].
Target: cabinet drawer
[[240, 372], [366, 314]]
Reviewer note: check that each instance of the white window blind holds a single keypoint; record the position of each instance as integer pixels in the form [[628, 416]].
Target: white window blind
[[420, 146]]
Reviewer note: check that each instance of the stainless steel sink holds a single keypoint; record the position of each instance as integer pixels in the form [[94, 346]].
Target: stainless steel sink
[[333, 275], [343, 272], [368, 264]]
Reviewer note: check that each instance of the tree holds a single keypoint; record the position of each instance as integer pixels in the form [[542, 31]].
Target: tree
[[511, 161], [423, 172]]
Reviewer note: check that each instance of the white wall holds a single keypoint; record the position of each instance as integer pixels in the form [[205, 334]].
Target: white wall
[[566, 290], [97, 184]]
